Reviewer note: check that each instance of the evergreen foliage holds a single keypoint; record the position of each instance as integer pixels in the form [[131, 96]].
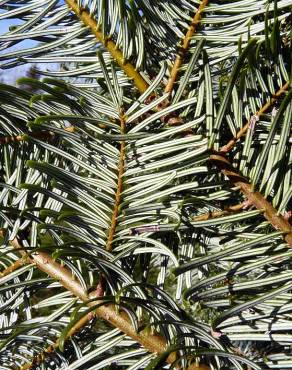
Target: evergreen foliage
[[145, 192]]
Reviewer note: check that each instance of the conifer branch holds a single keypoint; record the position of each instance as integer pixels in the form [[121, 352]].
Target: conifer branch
[[232, 209], [37, 359], [183, 48], [152, 342], [42, 135], [226, 148], [118, 196], [109, 44], [254, 197], [15, 266]]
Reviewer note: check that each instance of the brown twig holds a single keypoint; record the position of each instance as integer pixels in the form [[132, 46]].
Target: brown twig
[[227, 211], [42, 135], [119, 189], [15, 266], [254, 197], [226, 148], [183, 48], [126, 66]]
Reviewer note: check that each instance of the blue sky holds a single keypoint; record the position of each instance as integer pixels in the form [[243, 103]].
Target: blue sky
[[11, 75]]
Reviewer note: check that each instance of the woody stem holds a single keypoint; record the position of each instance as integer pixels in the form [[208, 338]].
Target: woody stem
[[254, 197]]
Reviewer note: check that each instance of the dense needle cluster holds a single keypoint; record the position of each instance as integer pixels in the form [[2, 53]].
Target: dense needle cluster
[[145, 192]]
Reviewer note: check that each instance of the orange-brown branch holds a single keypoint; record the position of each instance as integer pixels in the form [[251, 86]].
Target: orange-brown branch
[[254, 197], [183, 48], [15, 266], [126, 66], [227, 211], [42, 135], [119, 189], [226, 148]]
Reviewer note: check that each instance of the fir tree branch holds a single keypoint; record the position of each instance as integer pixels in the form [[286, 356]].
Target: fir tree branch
[[39, 358], [15, 266], [152, 342], [254, 197], [119, 188], [183, 48], [227, 211], [206, 216], [226, 148], [42, 135], [116, 53]]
